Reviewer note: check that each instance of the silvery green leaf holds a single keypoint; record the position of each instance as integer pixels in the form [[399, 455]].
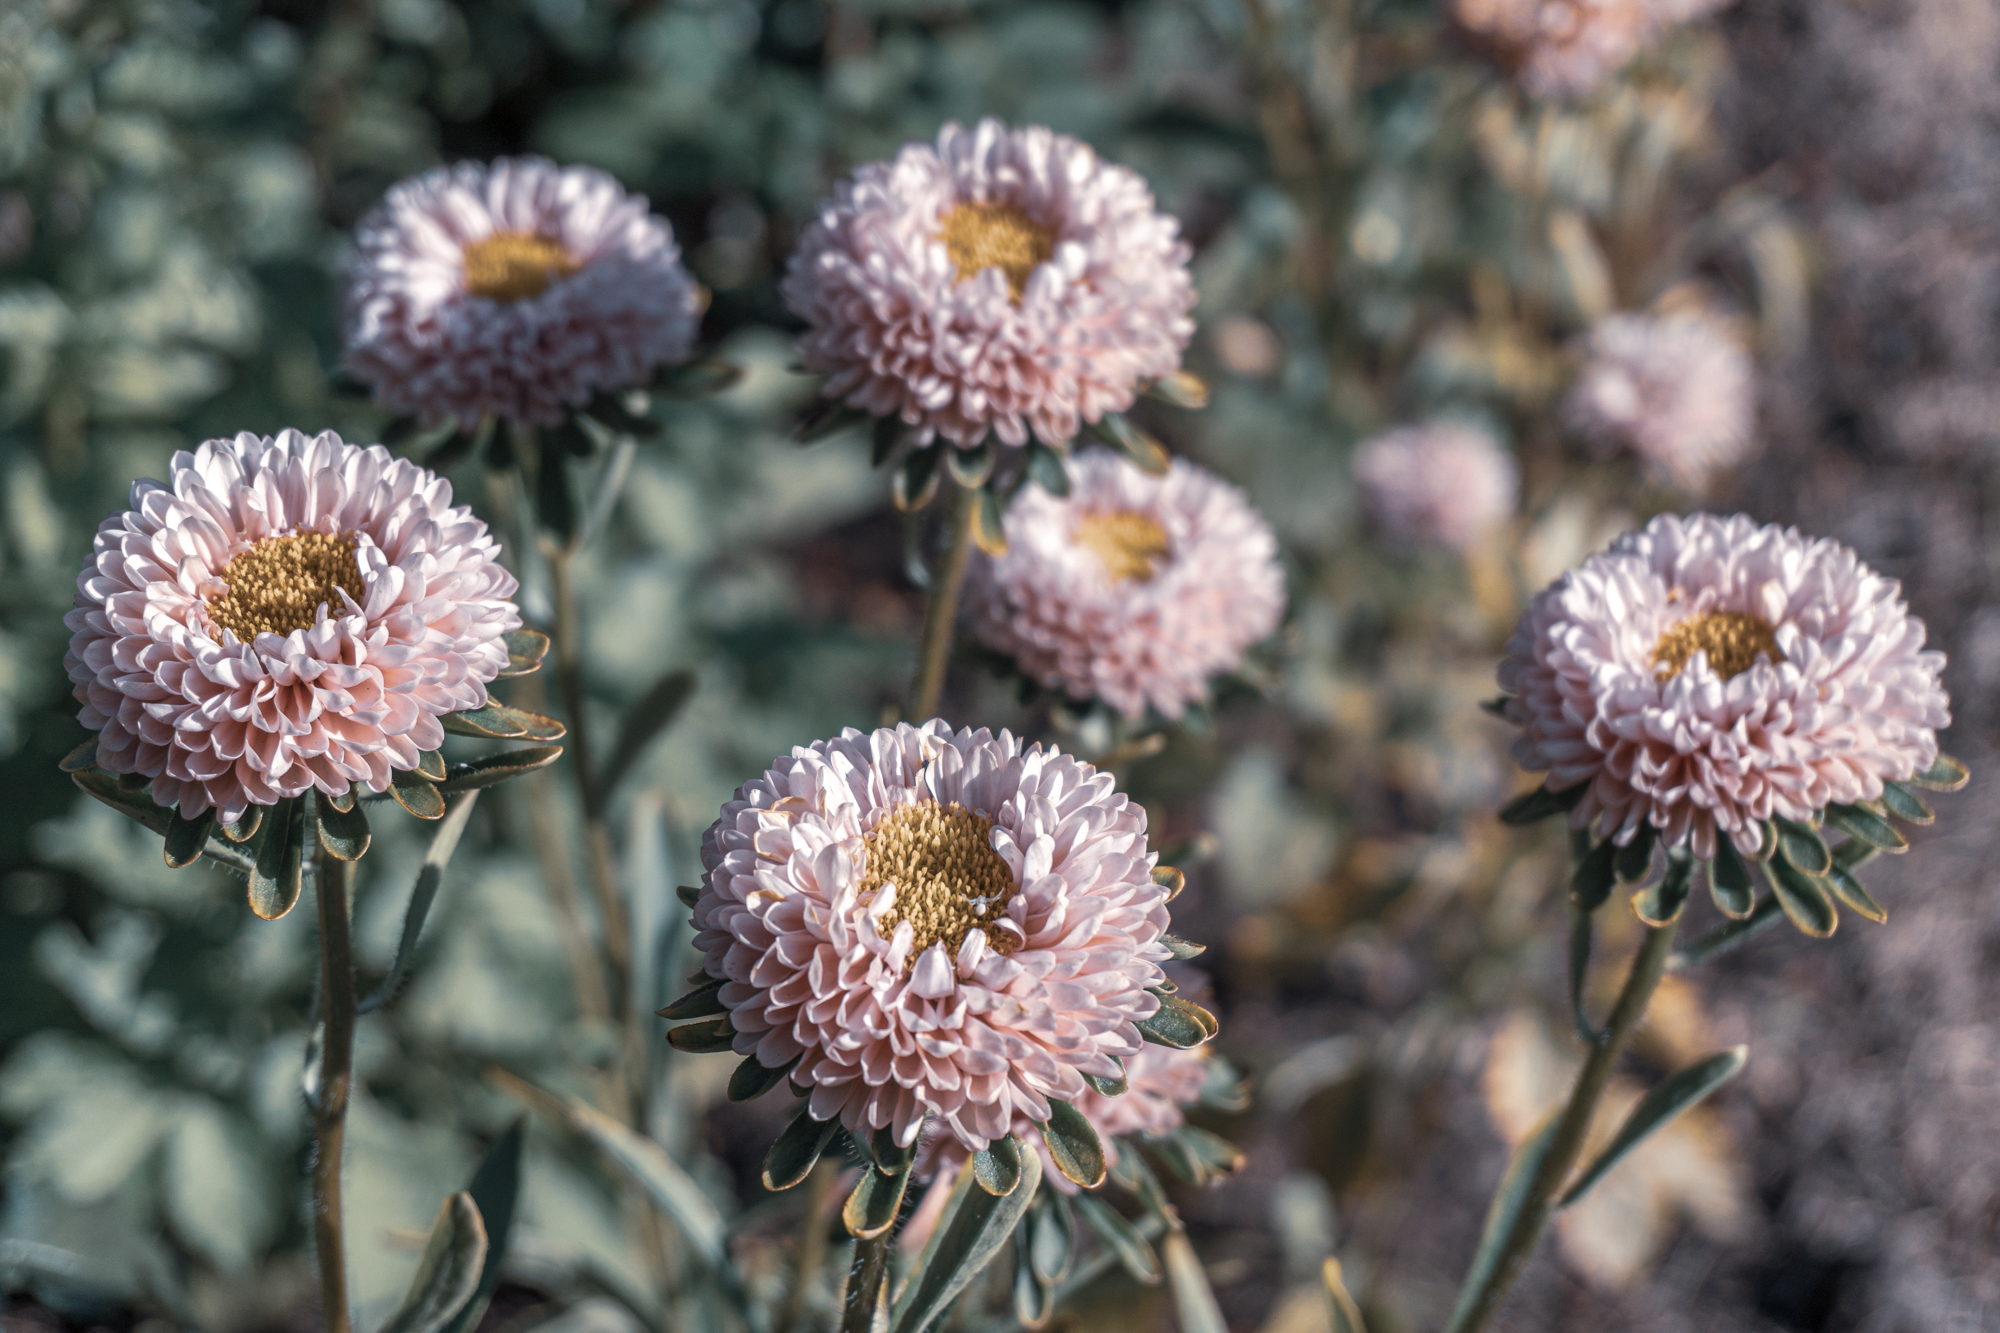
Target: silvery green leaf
[[448, 1275], [216, 1185], [525, 650], [1212, 1156], [1508, 1201], [343, 833], [997, 1166], [82, 757], [969, 1233], [1135, 1253], [796, 1150], [430, 876], [1183, 949], [1194, 1299], [245, 828], [1073, 1144], [1658, 1108], [1947, 774], [970, 467], [1864, 825], [1765, 915], [1107, 1086], [1801, 847], [417, 794], [1803, 897], [1034, 1299], [1905, 804], [1144, 451], [877, 1198], [275, 876], [1051, 1236], [1846, 886], [1729, 880], [499, 722]]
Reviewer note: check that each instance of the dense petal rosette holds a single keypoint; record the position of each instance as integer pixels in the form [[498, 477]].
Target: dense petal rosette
[[1135, 589], [933, 922], [1568, 48], [1004, 280], [1703, 674], [519, 289], [284, 613], [1677, 390], [1444, 482]]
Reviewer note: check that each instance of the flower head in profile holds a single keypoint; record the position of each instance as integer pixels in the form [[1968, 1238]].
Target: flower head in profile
[[1134, 589], [1703, 675], [1002, 280], [933, 922], [1567, 49], [519, 289], [1677, 390], [1444, 482], [281, 614]]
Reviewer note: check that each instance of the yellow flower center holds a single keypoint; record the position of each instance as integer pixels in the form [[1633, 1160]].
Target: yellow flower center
[[948, 878], [279, 584], [1732, 640], [983, 236], [1130, 544], [515, 265]]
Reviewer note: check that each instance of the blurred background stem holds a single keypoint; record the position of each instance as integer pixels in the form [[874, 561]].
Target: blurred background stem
[[336, 1073], [941, 608]]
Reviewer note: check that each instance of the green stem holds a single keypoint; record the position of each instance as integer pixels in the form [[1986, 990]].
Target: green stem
[[812, 1250], [1539, 1206], [941, 613], [864, 1284], [336, 1076]]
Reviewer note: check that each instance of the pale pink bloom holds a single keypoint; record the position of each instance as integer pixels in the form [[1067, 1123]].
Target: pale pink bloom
[[1005, 281], [1703, 674], [520, 289], [933, 922], [1565, 49], [1135, 589], [1161, 1082], [283, 614], [1677, 390], [1443, 482]]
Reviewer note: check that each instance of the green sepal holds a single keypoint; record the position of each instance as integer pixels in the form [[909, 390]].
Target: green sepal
[[797, 1150], [872, 1208], [1947, 774], [275, 876], [1661, 903], [501, 723], [1073, 1145], [493, 769], [1803, 897], [430, 765], [1183, 949], [1847, 887], [1905, 804], [344, 833], [710, 1038], [186, 838], [751, 1080], [417, 794], [1729, 880], [914, 483], [245, 828], [1864, 825], [1170, 879], [525, 650], [700, 1002], [1593, 877], [970, 467], [1047, 470], [1635, 858], [1178, 1023], [1146, 453], [1801, 847], [891, 1158], [1109, 1087], [996, 1168]]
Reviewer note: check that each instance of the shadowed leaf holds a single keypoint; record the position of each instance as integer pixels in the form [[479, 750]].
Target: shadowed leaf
[[417, 794], [444, 841], [700, 1002], [344, 833], [1135, 1253], [968, 1234], [997, 1166], [1803, 897], [185, 838], [1729, 880], [82, 757], [496, 1190], [1194, 1300], [1847, 887], [751, 1080], [711, 1038], [1864, 825], [796, 1151], [275, 876], [525, 650], [1660, 903], [499, 722], [448, 1275], [1590, 883], [1905, 804], [1801, 847], [1047, 470], [1635, 858], [1658, 1108], [890, 1158], [1508, 1201], [138, 805], [652, 715], [1541, 803], [1947, 774]]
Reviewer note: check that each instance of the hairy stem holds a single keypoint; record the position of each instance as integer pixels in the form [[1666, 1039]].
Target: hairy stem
[[336, 1076], [941, 612], [1533, 1218], [865, 1280]]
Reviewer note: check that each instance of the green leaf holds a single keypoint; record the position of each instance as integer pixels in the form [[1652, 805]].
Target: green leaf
[[1658, 1108], [417, 794], [970, 467], [1947, 774], [1183, 949], [653, 714], [186, 838], [275, 877], [1581, 925], [1343, 1314], [1541, 803], [891, 1158], [1802, 848], [1170, 879], [1144, 451], [1212, 1156], [1852, 855], [1729, 880], [1073, 1145], [1864, 825], [1765, 915], [916, 479], [997, 1166], [501, 723], [1635, 858], [1134, 1251], [1661, 903], [989, 531], [1194, 1300], [1501, 1215], [246, 827], [700, 1002], [496, 1189], [345, 801], [872, 1208], [1109, 1087], [82, 757], [826, 418], [649, 1167], [1905, 804], [1851, 891], [1034, 1299], [796, 1151], [1051, 1236], [1179, 1024], [137, 805], [344, 833], [1803, 897], [1047, 470], [689, 894], [1591, 881], [448, 1275], [430, 876], [430, 765], [968, 1234], [751, 1080], [710, 1038], [494, 769], [525, 650]]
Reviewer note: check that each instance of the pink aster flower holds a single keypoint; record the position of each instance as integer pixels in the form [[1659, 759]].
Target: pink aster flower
[[284, 613], [1444, 482], [1704, 674], [1005, 281], [933, 922], [1677, 390], [519, 289], [1135, 589], [1559, 49]]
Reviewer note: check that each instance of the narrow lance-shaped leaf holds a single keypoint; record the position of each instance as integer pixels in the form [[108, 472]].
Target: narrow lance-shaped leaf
[[648, 1166], [1051, 1236], [1501, 1215], [82, 757], [1765, 915], [430, 876], [1034, 1299], [343, 833], [1802, 848], [496, 721], [700, 1002], [1729, 880], [1541, 803], [137, 805], [1864, 825], [751, 1079], [710, 1038], [1135, 1253], [417, 794], [448, 1275], [187, 838], [1657, 1109], [1905, 804], [496, 1189], [653, 714], [494, 769], [1947, 774], [1047, 470], [1194, 1299], [969, 1233], [1846, 886]]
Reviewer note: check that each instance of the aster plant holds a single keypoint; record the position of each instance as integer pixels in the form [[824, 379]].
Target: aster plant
[[283, 631], [1674, 390], [1443, 483], [1714, 702]]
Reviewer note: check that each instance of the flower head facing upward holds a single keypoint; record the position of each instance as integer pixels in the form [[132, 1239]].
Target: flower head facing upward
[[1677, 390], [933, 922], [1002, 281], [519, 289], [1704, 674], [284, 613], [1444, 483], [1565, 49], [1135, 589]]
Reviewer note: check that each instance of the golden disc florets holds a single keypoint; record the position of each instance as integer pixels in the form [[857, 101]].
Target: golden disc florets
[[515, 265], [948, 878], [1130, 544], [1733, 641], [279, 584], [983, 236]]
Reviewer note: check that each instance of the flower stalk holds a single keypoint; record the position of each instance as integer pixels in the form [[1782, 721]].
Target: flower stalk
[[864, 1284], [336, 1077], [941, 611]]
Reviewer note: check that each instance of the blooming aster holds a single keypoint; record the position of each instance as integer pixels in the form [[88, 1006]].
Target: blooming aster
[[1677, 390], [1135, 589], [518, 289], [931, 921], [1704, 674], [283, 613], [1004, 280], [1443, 482], [1566, 49]]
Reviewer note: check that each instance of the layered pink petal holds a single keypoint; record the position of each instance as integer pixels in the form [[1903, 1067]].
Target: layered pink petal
[[1445, 483]]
